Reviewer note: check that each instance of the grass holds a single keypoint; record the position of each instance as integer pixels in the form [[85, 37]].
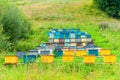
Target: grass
[[81, 14]]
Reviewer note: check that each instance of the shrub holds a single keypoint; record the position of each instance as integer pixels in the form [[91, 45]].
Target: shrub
[[15, 24], [111, 7]]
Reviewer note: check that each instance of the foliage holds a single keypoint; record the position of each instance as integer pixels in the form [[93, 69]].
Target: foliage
[[15, 24], [111, 7]]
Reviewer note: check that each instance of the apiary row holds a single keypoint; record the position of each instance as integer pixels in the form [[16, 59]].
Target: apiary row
[[72, 40], [67, 56], [88, 59], [67, 33]]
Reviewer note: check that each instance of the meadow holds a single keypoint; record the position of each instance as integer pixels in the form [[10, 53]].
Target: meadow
[[45, 14]]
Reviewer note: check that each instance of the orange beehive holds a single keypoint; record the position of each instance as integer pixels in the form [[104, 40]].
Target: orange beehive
[[11, 59], [104, 52], [80, 53], [89, 59], [68, 52], [67, 58], [47, 58], [110, 58]]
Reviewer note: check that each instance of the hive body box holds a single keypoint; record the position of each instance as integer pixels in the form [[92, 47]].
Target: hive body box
[[89, 59], [11, 59], [93, 52], [80, 53], [33, 52], [47, 58], [68, 52], [58, 52], [68, 58], [110, 58], [104, 52], [45, 52], [29, 58], [21, 54]]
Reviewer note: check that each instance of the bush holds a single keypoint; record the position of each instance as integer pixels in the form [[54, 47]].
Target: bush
[[111, 7], [15, 24], [4, 44]]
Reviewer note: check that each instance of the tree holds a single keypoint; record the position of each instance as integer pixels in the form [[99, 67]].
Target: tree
[[111, 7]]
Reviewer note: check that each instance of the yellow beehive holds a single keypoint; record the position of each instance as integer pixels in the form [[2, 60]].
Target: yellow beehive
[[67, 58], [80, 53], [110, 58], [56, 40], [11, 59], [104, 52], [68, 52], [89, 59], [47, 58]]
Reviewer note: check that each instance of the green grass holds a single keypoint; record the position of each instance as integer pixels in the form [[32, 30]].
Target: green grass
[[59, 14]]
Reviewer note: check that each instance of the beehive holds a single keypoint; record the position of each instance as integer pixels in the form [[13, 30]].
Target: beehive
[[78, 40], [89, 59], [67, 40], [61, 40], [56, 40], [72, 40], [73, 44], [80, 53], [110, 58], [83, 40], [89, 39], [47, 58], [68, 52], [93, 52], [29, 58], [83, 44], [104, 52], [51, 40], [20, 54], [72, 35], [67, 58], [11, 59]]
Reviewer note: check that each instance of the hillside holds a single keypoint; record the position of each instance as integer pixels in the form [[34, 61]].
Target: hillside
[[45, 14]]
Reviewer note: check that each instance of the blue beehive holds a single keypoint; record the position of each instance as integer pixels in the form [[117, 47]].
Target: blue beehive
[[29, 58], [21, 54], [62, 35], [58, 53], [51, 35], [72, 35], [93, 52], [88, 36], [67, 34], [58, 47], [46, 52]]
